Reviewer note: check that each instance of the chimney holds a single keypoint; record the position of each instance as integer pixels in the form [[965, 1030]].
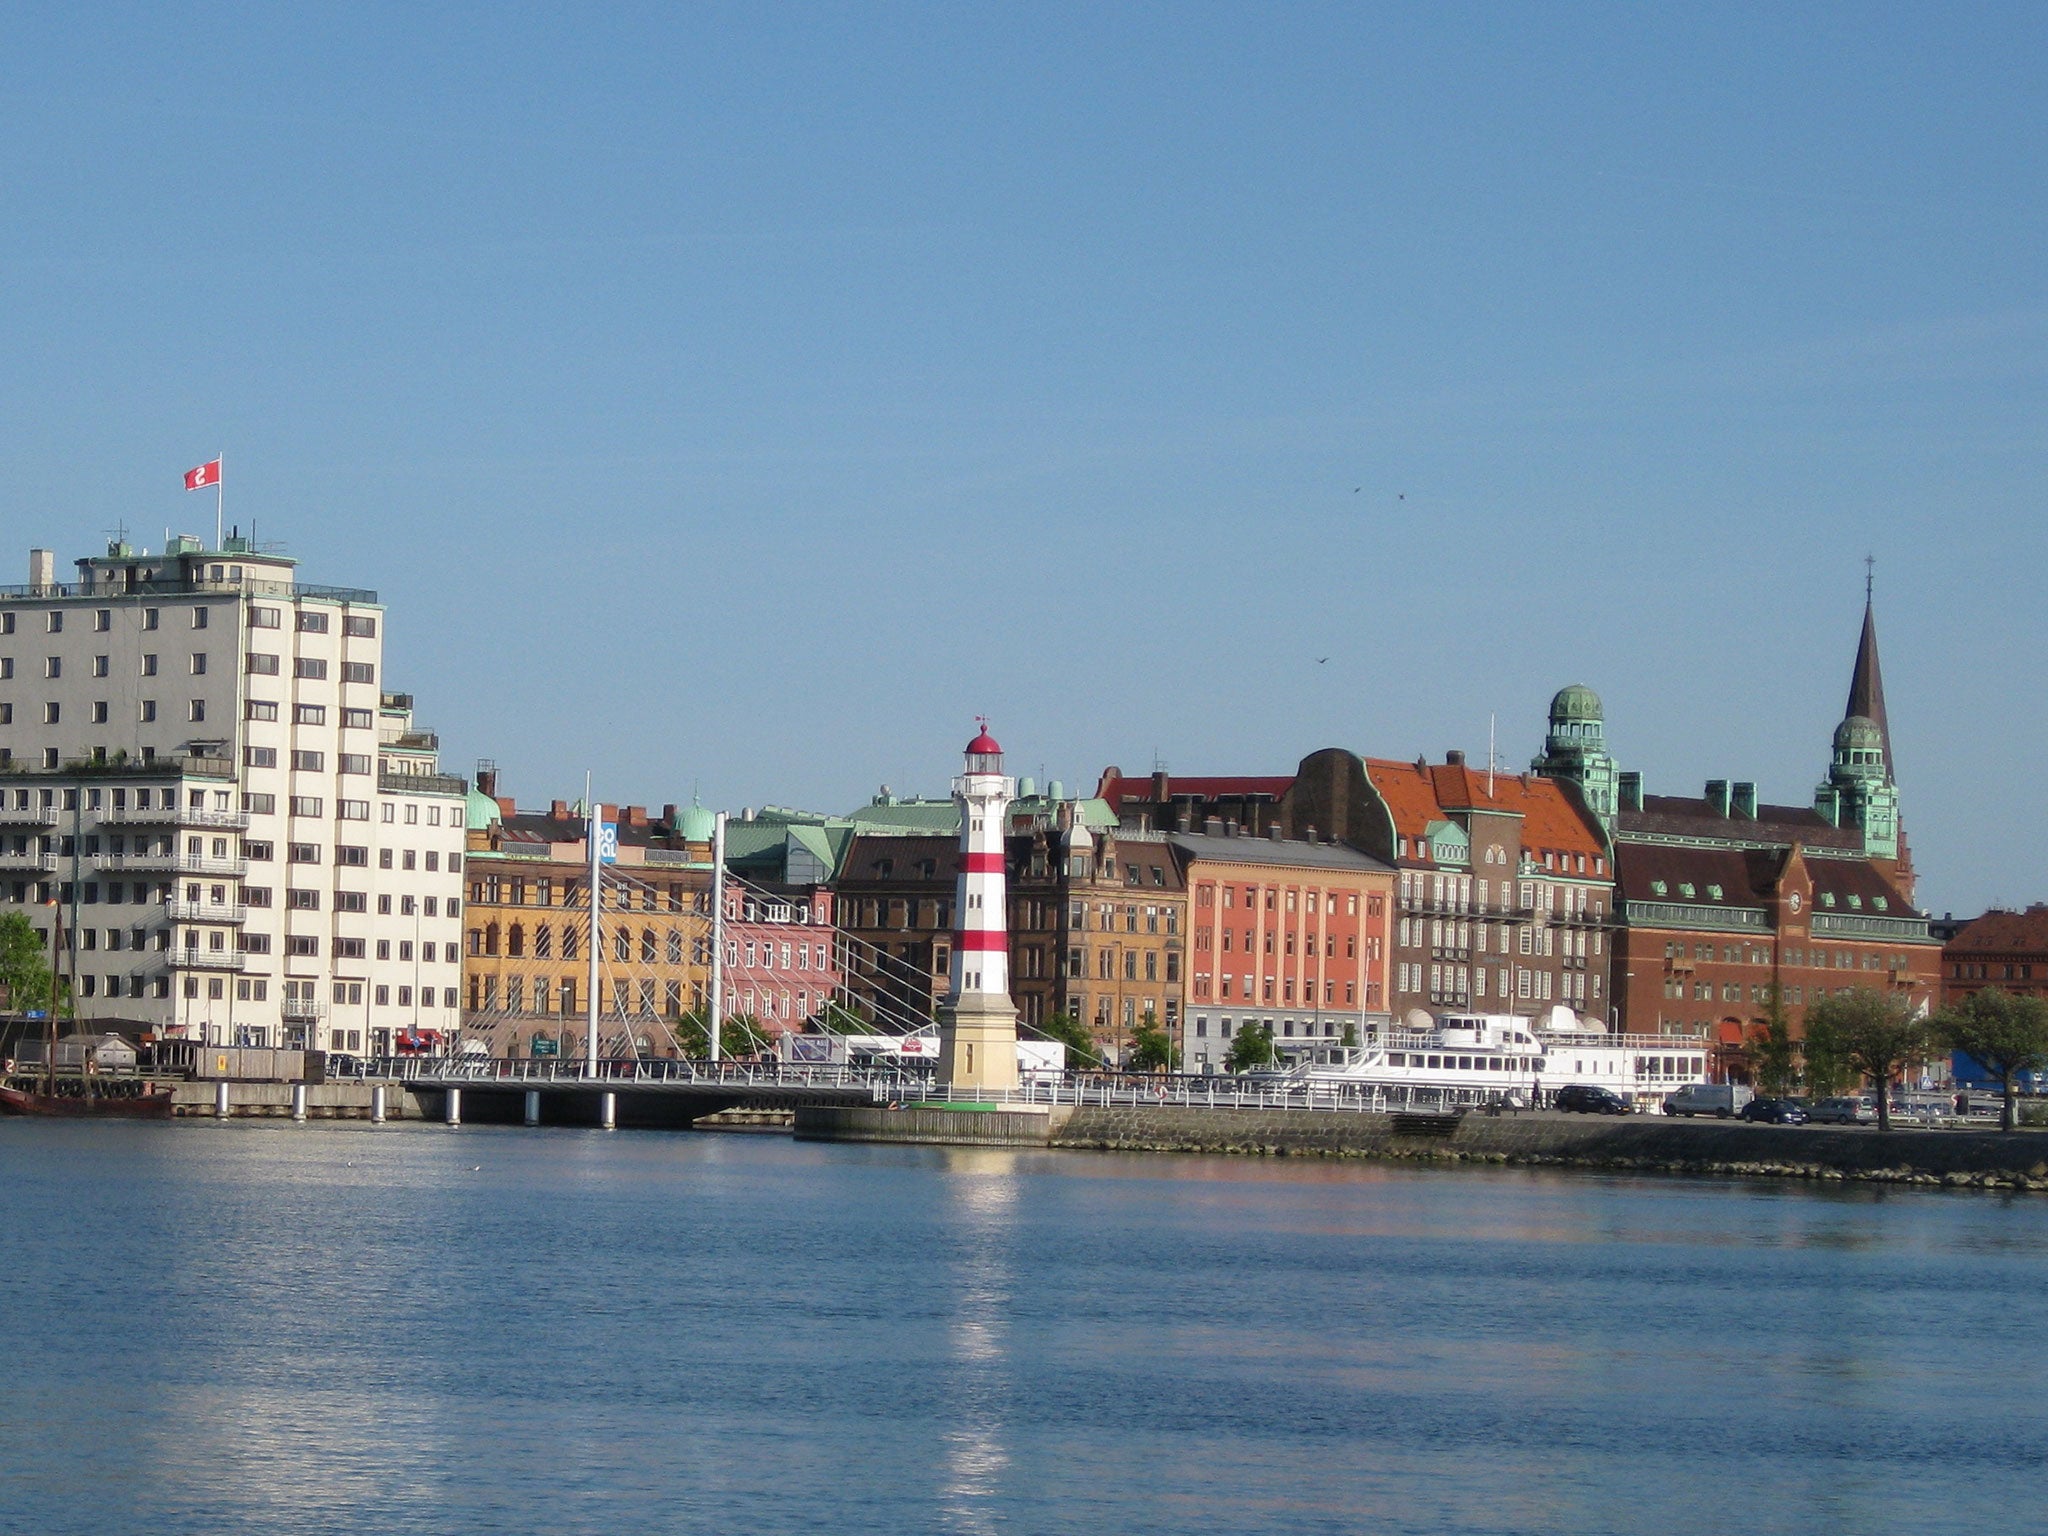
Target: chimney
[[668, 816], [1229, 827], [42, 568], [487, 779], [1308, 834], [1631, 791], [1742, 798], [1454, 758], [558, 811], [1272, 834], [636, 815], [1212, 826], [1161, 793], [1717, 796], [1184, 819]]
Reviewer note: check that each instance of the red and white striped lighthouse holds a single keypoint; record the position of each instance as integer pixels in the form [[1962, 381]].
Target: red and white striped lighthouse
[[977, 1020]]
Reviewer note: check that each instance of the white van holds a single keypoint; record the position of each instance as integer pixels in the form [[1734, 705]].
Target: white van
[[1720, 1100]]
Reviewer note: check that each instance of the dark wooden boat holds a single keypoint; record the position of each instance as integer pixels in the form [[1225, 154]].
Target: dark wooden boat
[[148, 1104]]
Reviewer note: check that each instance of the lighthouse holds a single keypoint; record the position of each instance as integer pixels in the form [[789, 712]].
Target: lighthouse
[[977, 1020]]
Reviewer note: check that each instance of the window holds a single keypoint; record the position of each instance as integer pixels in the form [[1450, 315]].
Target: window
[[263, 618], [53, 621], [348, 949], [312, 623], [358, 672], [51, 714], [199, 618], [99, 712], [261, 709], [355, 720], [362, 626], [260, 805], [309, 762], [53, 666], [303, 853], [302, 901], [306, 805], [195, 709], [309, 714], [149, 664], [255, 848], [6, 667], [260, 664], [151, 617], [100, 665], [355, 762], [351, 901], [352, 810], [352, 857], [199, 663], [309, 667]]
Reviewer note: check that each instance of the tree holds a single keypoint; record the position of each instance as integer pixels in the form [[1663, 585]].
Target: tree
[[2003, 1034], [738, 1036], [1151, 1049], [1771, 1044], [24, 970], [1876, 1034], [1253, 1047], [1082, 1051]]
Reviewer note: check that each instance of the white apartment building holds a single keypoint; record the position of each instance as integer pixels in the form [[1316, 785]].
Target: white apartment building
[[222, 823]]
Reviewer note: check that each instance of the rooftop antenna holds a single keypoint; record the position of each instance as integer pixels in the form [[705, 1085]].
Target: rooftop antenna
[[1490, 758], [1869, 577]]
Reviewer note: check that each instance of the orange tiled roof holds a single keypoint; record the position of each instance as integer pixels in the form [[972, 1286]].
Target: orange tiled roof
[[1420, 794]]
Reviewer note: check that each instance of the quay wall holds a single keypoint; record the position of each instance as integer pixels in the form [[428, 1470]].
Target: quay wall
[[324, 1101], [1950, 1158], [944, 1127]]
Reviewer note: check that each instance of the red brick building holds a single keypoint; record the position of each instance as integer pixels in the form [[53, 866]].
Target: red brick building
[[2006, 950]]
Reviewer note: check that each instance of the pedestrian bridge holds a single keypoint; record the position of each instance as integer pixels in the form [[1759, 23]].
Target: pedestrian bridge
[[655, 1093]]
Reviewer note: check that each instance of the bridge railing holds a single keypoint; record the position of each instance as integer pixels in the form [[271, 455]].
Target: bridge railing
[[1179, 1093], [564, 1073]]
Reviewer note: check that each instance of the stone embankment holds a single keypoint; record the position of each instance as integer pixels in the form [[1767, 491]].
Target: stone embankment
[[1951, 1159], [1976, 1159]]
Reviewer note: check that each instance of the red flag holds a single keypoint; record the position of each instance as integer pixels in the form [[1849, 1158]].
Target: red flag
[[205, 475]]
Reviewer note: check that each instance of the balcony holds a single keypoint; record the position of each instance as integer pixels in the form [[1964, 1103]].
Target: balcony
[[190, 959], [42, 863], [172, 863], [421, 783], [164, 816], [303, 1010], [205, 912], [29, 816]]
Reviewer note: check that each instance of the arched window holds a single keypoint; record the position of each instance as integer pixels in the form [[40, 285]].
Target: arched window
[[515, 939], [675, 947], [622, 945], [647, 953]]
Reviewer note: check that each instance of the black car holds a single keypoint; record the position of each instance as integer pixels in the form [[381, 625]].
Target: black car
[[1774, 1112], [1588, 1099]]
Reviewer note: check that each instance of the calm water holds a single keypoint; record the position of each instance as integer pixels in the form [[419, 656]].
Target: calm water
[[343, 1328]]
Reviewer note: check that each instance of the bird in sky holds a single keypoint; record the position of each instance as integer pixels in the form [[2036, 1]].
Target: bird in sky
[[1321, 659]]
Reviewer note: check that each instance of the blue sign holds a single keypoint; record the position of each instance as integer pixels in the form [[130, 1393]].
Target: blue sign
[[37, 1013], [608, 842]]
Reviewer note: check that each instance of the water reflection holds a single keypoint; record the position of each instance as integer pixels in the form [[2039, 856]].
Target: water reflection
[[981, 1194]]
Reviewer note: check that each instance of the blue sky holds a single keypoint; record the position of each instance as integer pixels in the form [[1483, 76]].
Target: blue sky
[[742, 398]]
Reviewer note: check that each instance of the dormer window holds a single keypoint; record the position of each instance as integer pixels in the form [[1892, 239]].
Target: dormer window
[[1686, 889], [1714, 892], [1827, 898], [1880, 903], [884, 868], [1856, 902], [1659, 888]]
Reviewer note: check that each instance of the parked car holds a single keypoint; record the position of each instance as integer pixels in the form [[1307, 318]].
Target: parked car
[[1850, 1109], [1773, 1112], [1589, 1099], [1718, 1099]]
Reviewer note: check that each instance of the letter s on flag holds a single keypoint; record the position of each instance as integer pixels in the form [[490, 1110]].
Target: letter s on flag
[[205, 475]]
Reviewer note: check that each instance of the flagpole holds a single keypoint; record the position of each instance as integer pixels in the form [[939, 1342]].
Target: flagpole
[[220, 491]]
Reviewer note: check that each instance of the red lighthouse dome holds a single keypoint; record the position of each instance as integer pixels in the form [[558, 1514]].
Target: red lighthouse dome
[[984, 755]]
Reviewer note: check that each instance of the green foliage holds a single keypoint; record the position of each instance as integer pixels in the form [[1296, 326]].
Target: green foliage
[[1350, 1034], [1082, 1051], [1253, 1047], [24, 970], [1776, 1056], [1151, 1049], [2005, 1035], [739, 1035], [842, 1019], [1872, 1034]]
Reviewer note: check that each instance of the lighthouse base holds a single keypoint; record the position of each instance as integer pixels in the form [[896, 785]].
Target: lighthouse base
[[978, 1044]]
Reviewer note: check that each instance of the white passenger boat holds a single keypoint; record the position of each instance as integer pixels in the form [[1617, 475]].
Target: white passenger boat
[[1477, 1058]]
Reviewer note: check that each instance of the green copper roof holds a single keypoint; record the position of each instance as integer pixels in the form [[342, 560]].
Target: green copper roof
[[483, 810], [1578, 702]]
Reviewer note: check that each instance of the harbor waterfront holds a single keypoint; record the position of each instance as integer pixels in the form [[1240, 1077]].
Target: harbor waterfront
[[263, 1326]]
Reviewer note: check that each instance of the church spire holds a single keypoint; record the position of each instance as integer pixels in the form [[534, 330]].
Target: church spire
[[1866, 680]]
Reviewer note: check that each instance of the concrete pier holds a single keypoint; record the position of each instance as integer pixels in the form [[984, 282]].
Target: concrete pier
[[452, 1111], [532, 1108], [298, 1101], [608, 1111]]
